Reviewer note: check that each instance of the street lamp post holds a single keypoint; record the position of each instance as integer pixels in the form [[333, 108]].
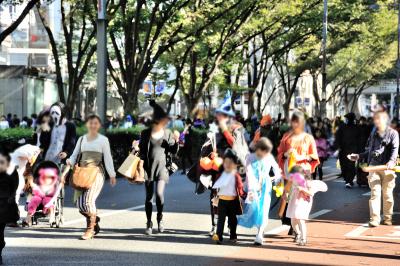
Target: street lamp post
[[324, 39], [101, 92]]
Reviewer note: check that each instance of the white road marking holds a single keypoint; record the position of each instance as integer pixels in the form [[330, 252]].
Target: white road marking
[[330, 177], [106, 214], [367, 194], [358, 231], [284, 227], [319, 213], [364, 227]]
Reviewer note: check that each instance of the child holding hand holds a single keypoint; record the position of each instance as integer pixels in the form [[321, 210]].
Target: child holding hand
[[259, 165], [229, 188], [300, 201]]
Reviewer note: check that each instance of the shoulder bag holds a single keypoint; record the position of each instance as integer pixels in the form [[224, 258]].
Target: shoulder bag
[[83, 177]]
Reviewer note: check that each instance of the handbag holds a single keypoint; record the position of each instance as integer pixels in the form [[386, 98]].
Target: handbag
[[83, 177]]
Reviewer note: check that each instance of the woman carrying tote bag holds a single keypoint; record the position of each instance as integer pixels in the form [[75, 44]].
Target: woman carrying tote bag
[[156, 145], [90, 152]]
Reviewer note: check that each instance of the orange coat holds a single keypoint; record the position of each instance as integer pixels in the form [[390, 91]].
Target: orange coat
[[306, 146]]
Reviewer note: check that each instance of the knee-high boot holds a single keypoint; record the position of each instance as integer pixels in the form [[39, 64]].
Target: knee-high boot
[[91, 219], [97, 226]]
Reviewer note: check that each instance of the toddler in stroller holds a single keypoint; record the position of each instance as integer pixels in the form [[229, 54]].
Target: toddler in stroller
[[45, 198]]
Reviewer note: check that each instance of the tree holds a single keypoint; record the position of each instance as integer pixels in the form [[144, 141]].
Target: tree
[[14, 25], [77, 47], [141, 32]]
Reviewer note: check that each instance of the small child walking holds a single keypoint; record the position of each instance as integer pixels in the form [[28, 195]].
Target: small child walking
[[229, 188], [323, 152], [258, 187], [300, 201]]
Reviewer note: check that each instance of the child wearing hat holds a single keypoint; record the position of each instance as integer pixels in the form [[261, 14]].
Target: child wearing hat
[[229, 188]]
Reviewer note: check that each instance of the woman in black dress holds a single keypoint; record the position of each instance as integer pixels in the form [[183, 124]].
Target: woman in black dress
[[8, 207], [156, 145]]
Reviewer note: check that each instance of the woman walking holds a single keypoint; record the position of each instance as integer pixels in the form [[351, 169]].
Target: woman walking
[[92, 149], [298, 148], [156, 145]]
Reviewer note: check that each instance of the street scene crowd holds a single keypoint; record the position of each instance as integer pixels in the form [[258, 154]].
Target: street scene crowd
[[241, 164]]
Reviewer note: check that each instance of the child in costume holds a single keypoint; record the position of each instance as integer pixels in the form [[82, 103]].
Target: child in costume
[[229, 188], [43, 192], [22, 159], [300, 201], [259, 187], [9, 212]]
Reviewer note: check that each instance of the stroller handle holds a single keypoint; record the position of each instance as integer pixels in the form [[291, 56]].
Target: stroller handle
[[64, 174]]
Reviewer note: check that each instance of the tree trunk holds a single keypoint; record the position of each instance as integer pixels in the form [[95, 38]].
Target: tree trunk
[[286, 108]]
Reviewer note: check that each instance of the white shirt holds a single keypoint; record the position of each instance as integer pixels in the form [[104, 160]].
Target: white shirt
[[99, 144], [226, 184]]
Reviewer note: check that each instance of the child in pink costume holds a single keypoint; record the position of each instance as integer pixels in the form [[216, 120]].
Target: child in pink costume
[[42, 192]]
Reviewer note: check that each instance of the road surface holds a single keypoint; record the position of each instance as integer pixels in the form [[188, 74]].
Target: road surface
[[337, 233]]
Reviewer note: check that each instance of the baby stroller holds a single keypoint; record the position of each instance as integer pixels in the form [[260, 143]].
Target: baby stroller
[[55, 218]]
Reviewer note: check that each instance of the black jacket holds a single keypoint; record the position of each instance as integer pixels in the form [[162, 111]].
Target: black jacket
[[8, 208]]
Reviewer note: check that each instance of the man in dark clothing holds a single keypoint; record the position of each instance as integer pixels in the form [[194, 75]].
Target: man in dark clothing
[[382, 150], [347, 141]]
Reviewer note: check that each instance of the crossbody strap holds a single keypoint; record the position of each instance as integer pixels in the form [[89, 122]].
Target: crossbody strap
[[78, 159]]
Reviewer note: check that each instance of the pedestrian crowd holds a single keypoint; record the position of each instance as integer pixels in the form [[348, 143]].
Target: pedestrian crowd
[[242, 163]]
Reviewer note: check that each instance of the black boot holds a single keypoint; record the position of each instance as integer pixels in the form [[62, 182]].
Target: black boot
[[97, 226], [160, 223]]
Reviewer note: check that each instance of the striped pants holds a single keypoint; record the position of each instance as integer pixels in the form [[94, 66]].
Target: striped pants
[[87, 200]]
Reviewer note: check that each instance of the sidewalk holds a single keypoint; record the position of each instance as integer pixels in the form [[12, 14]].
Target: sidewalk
[[340, 237]]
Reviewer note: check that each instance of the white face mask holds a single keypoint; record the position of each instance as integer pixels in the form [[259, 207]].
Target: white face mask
[[56, 114]]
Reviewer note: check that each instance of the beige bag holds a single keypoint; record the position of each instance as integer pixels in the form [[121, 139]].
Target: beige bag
[[129, 167]]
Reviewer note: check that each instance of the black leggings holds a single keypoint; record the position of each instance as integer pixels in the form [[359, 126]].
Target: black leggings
[[160, 188], [319, 170], [2, 242]]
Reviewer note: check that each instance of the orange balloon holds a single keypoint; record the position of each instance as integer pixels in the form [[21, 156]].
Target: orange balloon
[[206, 163], [217, 162]]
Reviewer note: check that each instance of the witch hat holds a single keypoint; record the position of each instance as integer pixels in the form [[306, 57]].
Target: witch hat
[[226, 106]]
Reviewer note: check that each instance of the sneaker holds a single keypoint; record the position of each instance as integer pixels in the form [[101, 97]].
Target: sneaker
[[213, 230], [258, 241], [302, 243], [149, 228], [233, 240], [373, 223], [297, 239], [348, 185], [387, 222]]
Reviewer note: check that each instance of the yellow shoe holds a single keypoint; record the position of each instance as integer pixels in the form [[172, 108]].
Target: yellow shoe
[[215, 237]]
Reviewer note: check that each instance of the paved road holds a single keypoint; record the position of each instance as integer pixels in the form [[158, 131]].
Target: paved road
[[336, 213]]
